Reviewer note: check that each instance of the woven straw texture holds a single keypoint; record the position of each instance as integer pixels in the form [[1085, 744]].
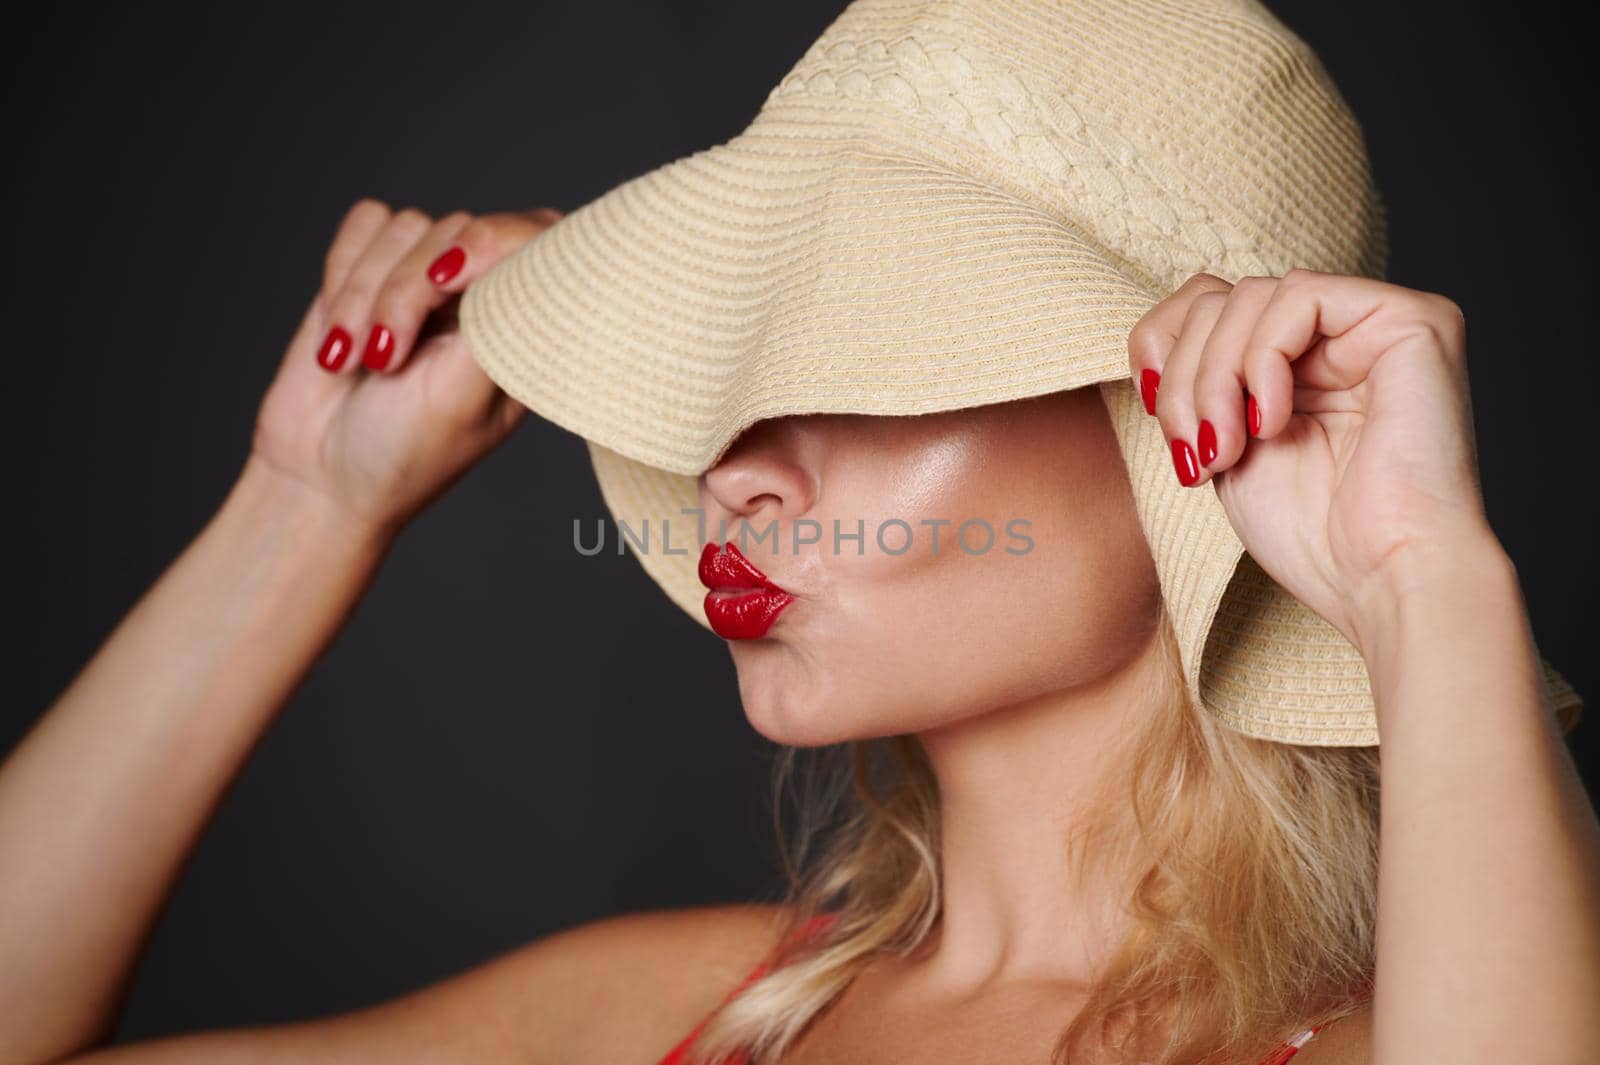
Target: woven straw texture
[[950, 204]]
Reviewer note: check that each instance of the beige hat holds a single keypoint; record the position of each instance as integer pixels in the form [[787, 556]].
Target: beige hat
[[951, 204]]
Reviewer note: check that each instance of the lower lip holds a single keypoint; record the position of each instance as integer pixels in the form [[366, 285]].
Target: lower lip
[[745, 615]]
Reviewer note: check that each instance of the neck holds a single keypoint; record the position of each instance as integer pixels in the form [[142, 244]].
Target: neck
[[1021, 901]]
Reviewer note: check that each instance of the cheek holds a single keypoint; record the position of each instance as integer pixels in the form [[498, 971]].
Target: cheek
[[971, 633], [925, 638], [902, 638]]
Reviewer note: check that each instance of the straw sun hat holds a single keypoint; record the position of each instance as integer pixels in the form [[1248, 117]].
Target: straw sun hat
[[951, 204]]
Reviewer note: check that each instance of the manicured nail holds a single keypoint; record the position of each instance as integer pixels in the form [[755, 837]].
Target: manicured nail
[[335, 349], [1207, 442], [1252, 416], [447, 265], [380, 345], [1183, 462], [1149, 380]]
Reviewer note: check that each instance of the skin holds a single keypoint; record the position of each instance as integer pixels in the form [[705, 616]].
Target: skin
[[1360, 496]]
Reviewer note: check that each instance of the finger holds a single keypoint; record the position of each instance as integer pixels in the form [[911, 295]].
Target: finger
[[1269, 389], [355, 231], [1219, 379], [1153, 338], [1328, 330], [483, 243], [361, 223], [1175, 405], [406, 297], [422, 292], [350, 310], [359, 226]]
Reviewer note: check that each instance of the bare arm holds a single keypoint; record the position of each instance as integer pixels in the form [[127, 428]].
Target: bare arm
[[623, 989], [1488, 838], [1356, 488], [104, 799]]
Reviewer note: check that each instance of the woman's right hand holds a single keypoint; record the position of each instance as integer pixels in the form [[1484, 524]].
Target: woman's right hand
[[104, 798], [378, 406]]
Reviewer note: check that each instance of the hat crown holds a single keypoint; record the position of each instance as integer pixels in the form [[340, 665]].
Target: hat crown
[[950, 204], [1181, 135]]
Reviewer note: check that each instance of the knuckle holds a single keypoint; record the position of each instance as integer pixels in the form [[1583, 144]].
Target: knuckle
[[386, 307], [1208, 305], [1440, 319], [1448, 312], [1147, 344], [400, 299], [1254, 284], [456, 219], [490, 237], [1209, 376], [353, 297], [1299, 275], [478, 234], [411, 220], [1445, 340], [367, 207], [1205, 281]]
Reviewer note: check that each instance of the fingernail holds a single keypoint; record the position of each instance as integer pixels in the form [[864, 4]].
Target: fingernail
[[1252, 416], [1183, 462], [335, 349], [1148, 382], [380, 345], [1207, 440], [447, 265]]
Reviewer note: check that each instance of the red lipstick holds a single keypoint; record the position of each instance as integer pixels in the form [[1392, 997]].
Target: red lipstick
[[742, 604]]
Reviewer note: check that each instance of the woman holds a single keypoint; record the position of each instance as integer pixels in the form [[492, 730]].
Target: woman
[[1055, 844]]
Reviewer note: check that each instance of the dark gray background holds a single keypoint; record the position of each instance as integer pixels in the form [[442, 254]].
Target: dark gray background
[[482, 758]]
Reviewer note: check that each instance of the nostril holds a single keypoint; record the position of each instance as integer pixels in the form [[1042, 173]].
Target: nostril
[[755, 503]]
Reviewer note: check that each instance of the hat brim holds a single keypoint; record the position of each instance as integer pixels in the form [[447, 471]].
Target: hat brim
[[771, 276], [782, 274]]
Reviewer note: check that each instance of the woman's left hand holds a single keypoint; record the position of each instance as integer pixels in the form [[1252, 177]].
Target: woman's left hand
[[1363, 446]]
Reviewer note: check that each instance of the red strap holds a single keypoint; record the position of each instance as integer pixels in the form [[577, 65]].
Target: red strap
[[675, 1055]]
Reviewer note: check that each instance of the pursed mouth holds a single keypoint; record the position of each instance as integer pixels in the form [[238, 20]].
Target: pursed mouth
[[725, 569], [742, 602]]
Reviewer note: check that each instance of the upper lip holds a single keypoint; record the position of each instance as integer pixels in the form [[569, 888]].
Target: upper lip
[[724, 568]]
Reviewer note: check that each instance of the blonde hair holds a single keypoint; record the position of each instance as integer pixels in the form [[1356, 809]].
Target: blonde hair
[[1252, 896]]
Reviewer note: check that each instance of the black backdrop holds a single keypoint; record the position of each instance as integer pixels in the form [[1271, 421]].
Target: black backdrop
[[463, 771]]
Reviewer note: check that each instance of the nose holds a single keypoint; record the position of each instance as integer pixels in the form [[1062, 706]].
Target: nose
[[765, 475]]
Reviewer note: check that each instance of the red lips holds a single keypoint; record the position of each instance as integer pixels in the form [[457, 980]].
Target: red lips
[[742, 603]]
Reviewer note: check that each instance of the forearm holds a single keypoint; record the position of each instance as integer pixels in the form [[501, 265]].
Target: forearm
[[1489, 884], [102, 801]]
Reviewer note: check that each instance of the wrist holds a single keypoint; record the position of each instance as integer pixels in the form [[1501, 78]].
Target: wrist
[[1429, 580], [266, 499]]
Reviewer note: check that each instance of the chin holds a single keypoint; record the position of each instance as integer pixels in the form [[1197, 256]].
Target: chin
[[792, 722], [785, 705]]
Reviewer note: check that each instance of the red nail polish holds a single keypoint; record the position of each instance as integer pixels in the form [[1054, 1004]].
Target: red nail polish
[[1149, 381], [1207, 442], [380, 346], [334, 349], [1183, 462], [447, 265], [1252, 416]]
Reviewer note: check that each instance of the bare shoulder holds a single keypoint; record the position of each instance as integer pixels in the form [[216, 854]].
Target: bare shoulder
[[625, 988], [1347, 1041], [628, 987]]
